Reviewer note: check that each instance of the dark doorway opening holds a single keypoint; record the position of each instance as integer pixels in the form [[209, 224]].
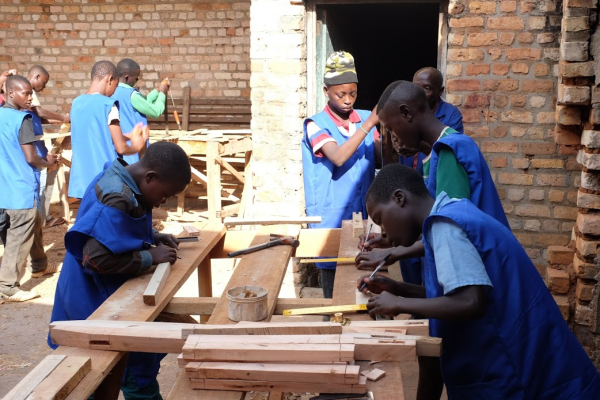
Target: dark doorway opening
[[389, 41]]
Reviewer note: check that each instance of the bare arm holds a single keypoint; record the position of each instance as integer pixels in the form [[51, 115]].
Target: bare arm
[[137, 136], [33, 159], [340, 154], [49, 115]]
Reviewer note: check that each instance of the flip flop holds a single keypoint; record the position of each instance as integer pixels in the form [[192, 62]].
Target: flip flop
[[20, 296], [55, 222]]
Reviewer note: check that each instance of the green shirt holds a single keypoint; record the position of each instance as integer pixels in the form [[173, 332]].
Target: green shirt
[[451, 176], [151, 106]]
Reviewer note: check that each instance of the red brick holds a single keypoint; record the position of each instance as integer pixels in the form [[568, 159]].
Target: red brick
[[482, 39], [507, 38], [568, 115], [556, 196], [477, 69], [551, 180], [589, 223], [562, 212], [462, 85], [550, 239], [518, 100], [480, 7], [506, 23], [563, 305], [557, 280], [538, 86], [583, 290], [466, 22], [499, 162], [538, 148], [533, 210], [560, 255], [508, 6], [523, 54], [500, 69], [470, 115], [540, 70], [547, 163], [504, 85], [520, 68], [588, 200], [499, 147], [520, 163], [465, 54], [506, 178], [545, 38], [495, 53], [567, 135], [584, 269], [580, 3], [477, 100], [519, 117], [499, 132], [586, 248], [476, 132], [545, 117]]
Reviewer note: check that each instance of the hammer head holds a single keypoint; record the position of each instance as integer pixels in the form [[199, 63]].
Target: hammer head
[[287, 240]]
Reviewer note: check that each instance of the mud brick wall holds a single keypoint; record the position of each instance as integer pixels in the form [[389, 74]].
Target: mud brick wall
[[203, 43]]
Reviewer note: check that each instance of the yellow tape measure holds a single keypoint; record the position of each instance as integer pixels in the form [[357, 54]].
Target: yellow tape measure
[[326, 310]]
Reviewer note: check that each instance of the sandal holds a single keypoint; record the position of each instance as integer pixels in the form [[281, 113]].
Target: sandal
[[55, 222], [20, 296]]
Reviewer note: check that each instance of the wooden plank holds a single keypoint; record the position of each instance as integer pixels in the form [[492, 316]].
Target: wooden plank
[[385, 350], [336, 260], [346, 275], [28, 384], [191, 230], [236, 146], [213, 173], [157, 283], [358, 226], [389, 388], [268, 339], [206, 305], [185, 123], [296, 387], [180, 203], [419, 327], [63, 379], [265, 268], [246, 201], [374, 375], [271, 221], [320, 242], [231, 170], [334, 373]]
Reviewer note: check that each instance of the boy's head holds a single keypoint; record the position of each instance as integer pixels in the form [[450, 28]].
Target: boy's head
[[340, 82], [18, 92], [105, 74], [129, 71], [166, 172], [39, 77], [398, 202], [401, 108], [432, 81]]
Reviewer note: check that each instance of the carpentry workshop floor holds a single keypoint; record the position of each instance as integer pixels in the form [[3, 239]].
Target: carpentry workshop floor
[[24, 326]]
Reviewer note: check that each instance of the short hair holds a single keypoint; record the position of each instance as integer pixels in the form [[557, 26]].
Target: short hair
[[38, 69], [127, 67], [393, 177], [169, 161], [403, 92], [103, 68], [12, 81], [438, 78]]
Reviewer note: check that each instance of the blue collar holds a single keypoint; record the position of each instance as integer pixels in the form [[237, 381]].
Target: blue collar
[[440, 201], [440, 110], [118, 167]]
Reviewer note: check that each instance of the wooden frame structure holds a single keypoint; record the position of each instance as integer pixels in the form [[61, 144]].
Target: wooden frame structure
[[265, 268]]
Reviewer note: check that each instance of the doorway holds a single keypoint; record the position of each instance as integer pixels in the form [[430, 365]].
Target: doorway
[[389, 41]]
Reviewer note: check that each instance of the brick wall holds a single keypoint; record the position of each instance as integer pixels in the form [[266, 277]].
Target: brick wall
[[278, 60], [502, 57], [203, 43]]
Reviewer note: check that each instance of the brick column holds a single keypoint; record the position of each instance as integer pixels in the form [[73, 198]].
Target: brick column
[[278, 93]]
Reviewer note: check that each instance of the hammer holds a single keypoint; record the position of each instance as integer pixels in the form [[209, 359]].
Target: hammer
[[276, 240]]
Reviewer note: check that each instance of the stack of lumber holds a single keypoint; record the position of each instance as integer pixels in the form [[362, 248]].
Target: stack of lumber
[[297, 363]]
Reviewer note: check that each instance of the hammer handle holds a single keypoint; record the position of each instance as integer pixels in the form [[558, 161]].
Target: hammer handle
[[252, 249]]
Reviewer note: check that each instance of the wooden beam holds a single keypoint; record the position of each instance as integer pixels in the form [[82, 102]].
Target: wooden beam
[[63, 379], [236, 146], [271, 221], [157, 283], [206, 305], [28, 384], [320, 242], [185, 123], [231, 170], [358, 225], [296, 387], [213, 172]]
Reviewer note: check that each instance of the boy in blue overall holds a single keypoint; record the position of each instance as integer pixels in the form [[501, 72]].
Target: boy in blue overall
[[432, 81], [338, 155], [503, 336], [133, 107], [454, 166], [96, 136], [111, 242], [19, 180]]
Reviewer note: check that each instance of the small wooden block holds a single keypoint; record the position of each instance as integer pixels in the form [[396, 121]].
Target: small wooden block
[[358, 226], [197, 383], [156, 284], [60, 382], [191, 230], [373, 375], [181, 361]]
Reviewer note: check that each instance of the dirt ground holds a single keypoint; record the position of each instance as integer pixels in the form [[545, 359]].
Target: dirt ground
[[24, 326]]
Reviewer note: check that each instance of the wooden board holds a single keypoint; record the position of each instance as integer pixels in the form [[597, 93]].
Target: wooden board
[[63, 379], [334, 373], [28, 384], [318, 243], [157, 283], [296, 387], [385, 350], [346, 275], [206, 305], [264, 268], [231, 221], [127, 304]]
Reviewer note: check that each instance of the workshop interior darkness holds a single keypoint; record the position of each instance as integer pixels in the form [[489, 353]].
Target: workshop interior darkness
[[388, 41]]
